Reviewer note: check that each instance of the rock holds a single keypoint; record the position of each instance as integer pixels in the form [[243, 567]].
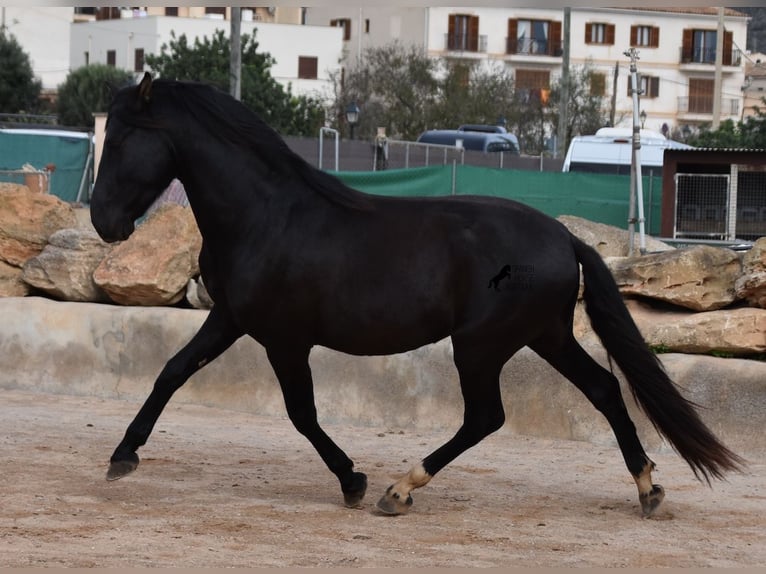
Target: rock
[[64, 269], [699, 278], [608, 240], [8, 186], [154, 265], [739, 331], [11, 284], [27, 220], [751, 285]]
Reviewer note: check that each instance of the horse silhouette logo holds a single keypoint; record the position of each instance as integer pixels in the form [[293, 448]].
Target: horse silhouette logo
[[495, 281]]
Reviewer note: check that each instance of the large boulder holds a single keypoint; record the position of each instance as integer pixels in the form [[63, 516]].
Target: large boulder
[[11, 284], [739, 331], [64, 269], [699, 278], [608, 240], [27, 220], [751, 285], [154, 265]]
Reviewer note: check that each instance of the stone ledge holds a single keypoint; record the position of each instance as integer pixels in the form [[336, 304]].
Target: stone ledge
[[116, 352]]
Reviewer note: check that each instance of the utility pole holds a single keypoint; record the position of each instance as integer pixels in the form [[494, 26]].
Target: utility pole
[[636, 182], [718, 79], [561, 140], [235, 53], [613, 111]]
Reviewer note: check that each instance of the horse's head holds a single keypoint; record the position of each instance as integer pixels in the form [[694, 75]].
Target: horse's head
[[137, 163]]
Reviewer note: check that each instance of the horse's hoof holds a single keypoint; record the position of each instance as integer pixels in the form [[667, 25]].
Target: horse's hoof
[[651, 500], [120, 468], [392, 503], [354, 495]]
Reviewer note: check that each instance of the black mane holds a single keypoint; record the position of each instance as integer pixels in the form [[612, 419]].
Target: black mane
[[228, 119]]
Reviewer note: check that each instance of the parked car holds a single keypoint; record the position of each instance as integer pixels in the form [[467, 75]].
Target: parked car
[[472, 140]]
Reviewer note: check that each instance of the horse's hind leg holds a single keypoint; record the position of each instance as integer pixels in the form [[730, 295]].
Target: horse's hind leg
[[291, 365], [483, 414], [603, 390], [215, 336]]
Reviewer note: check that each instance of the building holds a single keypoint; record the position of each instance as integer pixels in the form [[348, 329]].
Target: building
[[43, 33], [306, 57], [677, 50], [754, 87]]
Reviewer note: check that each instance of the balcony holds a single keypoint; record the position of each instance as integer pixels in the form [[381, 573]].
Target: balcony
[[533, 47], [703, 106], [465, 43], [705, 57]]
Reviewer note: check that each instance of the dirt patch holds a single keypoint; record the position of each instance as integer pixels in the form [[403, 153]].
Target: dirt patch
[[220, 488]]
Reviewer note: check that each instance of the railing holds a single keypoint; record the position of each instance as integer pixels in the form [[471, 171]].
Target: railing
[[703, 104], [697, 55], [465, 42], [533, 47]]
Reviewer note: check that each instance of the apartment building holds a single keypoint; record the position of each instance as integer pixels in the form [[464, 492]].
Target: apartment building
[[306, 57], [676, 47]]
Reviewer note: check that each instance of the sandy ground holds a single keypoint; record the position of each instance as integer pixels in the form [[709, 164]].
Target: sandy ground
[[221, 488]]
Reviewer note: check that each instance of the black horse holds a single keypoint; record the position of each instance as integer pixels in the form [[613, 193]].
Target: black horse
[[294, 258]]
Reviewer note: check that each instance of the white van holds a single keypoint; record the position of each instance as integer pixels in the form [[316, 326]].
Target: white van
[[609, 151]]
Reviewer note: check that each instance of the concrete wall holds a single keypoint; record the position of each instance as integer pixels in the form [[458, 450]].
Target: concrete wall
[[116, 352]]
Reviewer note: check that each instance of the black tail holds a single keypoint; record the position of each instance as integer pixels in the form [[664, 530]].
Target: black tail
[[672, 415]]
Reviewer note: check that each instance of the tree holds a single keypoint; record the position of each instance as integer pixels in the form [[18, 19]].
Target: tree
[[586, 112], [86, 91], [395, 87], [19, 89], [749, 133], [207, 60]]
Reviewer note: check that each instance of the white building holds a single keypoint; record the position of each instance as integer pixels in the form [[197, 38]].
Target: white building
[[43, 33], [305, 56], [676, 50]]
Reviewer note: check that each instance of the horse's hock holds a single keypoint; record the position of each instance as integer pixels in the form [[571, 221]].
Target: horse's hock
[[116, 352]]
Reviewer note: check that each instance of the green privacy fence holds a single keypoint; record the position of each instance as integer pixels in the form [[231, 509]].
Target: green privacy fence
[[597, 197], [67, 151]]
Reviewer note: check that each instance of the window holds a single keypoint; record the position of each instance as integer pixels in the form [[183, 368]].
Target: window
[[344, 23], [171, 11], [700, 96], [698, 46], [463, 33], [138, 60], [644, 36], [216, 10], [597, 33], [367, 26], [111, 58], [649, 86], [307, 67], [532, 79], [87, 58], [541, 37], [597, 84]]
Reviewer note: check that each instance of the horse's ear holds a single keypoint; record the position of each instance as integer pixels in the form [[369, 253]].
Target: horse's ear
[[145, 88]]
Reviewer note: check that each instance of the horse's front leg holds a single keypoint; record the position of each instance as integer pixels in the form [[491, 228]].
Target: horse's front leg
[[292, 368], [216, 335]]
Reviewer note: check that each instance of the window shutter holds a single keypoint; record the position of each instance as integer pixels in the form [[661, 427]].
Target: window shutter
[[686, 45], [728, 41], [610, 34], [554, 46], [654, 87], [473, 34], [654, 40], [513, 34], [633, 35], [588, 32]]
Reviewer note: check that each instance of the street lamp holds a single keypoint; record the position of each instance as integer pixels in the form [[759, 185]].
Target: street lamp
[[642, 115], [352, 116]]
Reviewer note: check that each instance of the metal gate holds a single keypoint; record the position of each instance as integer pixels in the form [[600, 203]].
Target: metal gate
[[702, 209]]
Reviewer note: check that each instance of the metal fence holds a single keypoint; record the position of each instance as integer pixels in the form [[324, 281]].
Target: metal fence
[[723, 207]]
